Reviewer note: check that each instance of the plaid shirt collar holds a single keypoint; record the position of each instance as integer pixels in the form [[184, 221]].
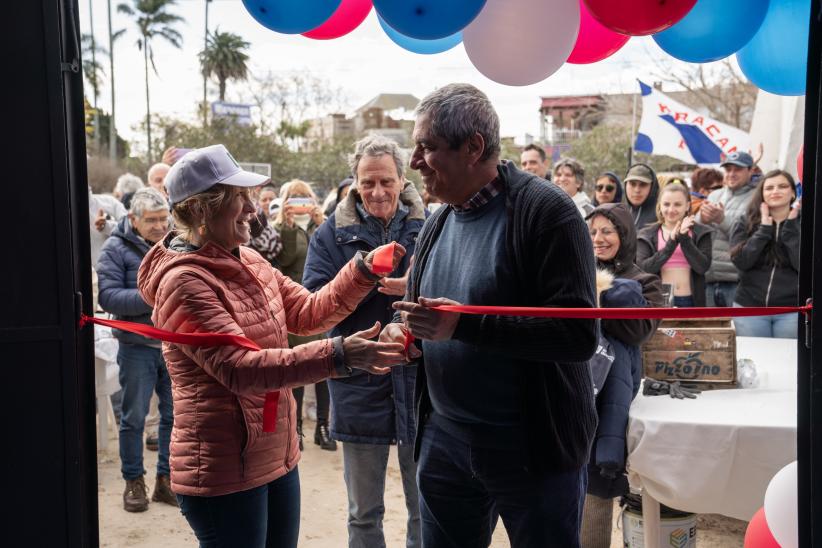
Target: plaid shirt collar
[[485, 195]]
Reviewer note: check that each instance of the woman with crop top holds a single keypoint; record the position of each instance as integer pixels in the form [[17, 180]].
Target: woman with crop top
[[676, 248]]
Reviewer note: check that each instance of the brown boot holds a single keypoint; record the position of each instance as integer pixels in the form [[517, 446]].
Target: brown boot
[[162, 491], [135, 497]]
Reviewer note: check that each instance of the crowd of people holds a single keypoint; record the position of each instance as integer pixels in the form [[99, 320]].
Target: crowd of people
[[494, 417]]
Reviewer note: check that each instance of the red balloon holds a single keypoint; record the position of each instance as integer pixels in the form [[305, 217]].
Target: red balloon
[[349, 15], [639, 17], [800, 163], [595, 41], [758, 534]]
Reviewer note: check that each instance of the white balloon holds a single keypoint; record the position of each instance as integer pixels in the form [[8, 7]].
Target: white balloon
[[522, 42], [782, 507]]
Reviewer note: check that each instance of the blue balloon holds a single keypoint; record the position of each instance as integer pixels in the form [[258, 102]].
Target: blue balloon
[[428, 19], [291, 16], [425, 47], [776, 58], [713, 29]]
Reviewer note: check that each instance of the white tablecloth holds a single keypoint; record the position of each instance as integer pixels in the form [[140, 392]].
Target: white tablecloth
[[717, 453]]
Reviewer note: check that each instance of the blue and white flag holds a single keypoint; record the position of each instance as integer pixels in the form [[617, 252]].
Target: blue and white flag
[[670, 128]]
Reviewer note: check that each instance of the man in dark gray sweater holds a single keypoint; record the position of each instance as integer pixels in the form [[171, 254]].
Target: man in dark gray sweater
[[505, 405]]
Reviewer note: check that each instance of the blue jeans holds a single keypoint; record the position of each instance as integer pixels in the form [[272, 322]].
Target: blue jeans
[[782, 326], [364, 471], [684, 302], [142, 371], [463, 487], [265, 516], [720, 293]]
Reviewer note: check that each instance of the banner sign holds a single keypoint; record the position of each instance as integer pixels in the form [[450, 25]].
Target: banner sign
[[670, 128]]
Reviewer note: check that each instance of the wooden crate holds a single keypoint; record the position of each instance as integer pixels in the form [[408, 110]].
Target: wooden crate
[[701, 351]]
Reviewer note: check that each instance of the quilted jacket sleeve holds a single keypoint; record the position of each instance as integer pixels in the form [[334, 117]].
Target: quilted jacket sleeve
[[115, 295], [311, 313], [189, 305]]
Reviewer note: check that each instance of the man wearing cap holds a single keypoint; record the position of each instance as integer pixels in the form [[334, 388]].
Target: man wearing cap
[[641, 191], [720, 211]]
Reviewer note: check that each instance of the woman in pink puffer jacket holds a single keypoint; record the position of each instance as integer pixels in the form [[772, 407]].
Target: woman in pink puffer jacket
[[236, 483]]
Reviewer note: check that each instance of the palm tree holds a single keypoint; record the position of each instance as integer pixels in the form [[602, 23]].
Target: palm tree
[[153, 20], [225, 58], [112, 126], [93, 72]]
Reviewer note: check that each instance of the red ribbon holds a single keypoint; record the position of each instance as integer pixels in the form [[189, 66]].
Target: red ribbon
[[383, 260], [197, 339], [628, 313], [191, 339], [387, 254]]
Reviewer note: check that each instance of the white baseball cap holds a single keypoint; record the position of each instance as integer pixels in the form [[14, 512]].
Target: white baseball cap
[[202, 168]]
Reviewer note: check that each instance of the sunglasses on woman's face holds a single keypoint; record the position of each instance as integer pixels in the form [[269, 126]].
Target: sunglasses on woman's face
[[605, 188]]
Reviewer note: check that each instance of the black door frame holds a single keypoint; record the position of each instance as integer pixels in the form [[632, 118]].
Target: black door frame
[[46, 32], [809, 366]]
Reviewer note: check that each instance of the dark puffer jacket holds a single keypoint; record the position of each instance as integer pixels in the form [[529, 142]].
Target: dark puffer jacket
[[623, 265], [117, 268], [696, 248], [768, 263], [606, 467], [367, 408]]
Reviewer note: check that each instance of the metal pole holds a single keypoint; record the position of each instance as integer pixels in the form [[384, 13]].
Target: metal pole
[[633, 135], [112, 129], [205, 78], [96, 83]]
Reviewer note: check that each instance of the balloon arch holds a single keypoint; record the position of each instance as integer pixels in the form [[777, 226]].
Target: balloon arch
[[522, 42]]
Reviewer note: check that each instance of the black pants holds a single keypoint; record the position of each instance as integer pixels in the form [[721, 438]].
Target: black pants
[[323, 401], [267, 516]]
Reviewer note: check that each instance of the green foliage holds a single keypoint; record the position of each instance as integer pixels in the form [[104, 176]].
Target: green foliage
[[93, 118], [325, 166], [510, 151], [605, 148], [224, 58]]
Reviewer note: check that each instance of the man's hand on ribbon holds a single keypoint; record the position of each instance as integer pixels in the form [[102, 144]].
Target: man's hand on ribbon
[[423, 322], [398, 333], [372, 356]]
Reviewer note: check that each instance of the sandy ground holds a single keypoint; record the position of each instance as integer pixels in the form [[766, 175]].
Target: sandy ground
[[323, 509]]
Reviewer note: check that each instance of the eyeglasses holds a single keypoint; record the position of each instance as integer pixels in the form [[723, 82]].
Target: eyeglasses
[[605, 188]]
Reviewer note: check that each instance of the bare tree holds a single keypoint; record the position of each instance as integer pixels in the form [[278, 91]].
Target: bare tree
[[719, 87], [287, 102]]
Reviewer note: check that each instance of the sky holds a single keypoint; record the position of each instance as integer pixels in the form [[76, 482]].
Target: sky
[[363, 63]]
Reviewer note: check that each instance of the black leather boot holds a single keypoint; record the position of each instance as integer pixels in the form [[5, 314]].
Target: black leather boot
[[323, 439], [300, 432]]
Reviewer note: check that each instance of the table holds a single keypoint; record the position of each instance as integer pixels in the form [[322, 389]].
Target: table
[[716, 454]]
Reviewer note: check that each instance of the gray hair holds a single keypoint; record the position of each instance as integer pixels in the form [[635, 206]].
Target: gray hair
[[457, 112], [127, 183], [147, 199], [155, 167], [374, 146], [575, 167]]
